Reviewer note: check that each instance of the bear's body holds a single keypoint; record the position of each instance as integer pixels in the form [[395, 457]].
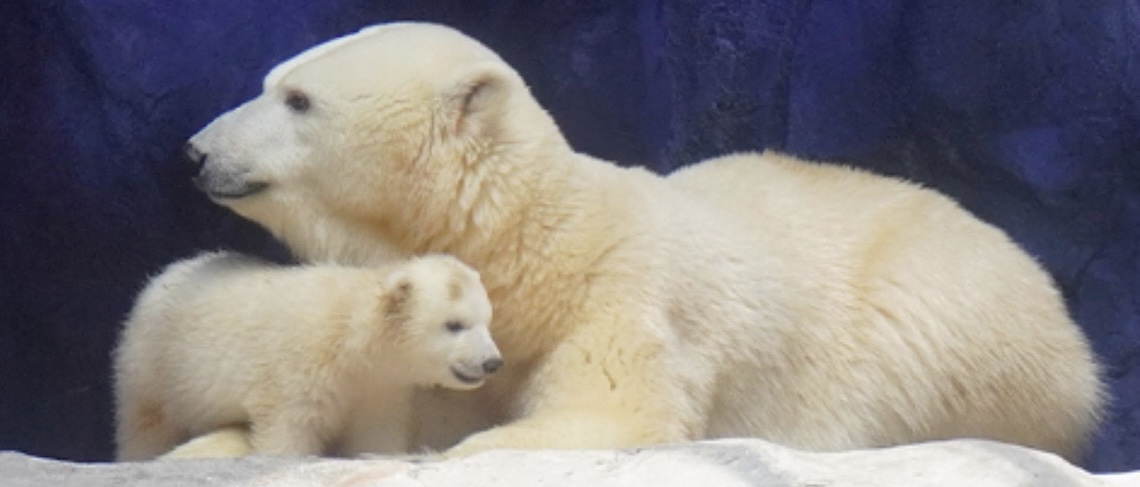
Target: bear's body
[[755, 295], [312, 358], [955, 331]]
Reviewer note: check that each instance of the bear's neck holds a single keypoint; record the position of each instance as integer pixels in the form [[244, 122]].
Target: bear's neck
[[371, 340], [341, 240], [527, 243], [516, 210]]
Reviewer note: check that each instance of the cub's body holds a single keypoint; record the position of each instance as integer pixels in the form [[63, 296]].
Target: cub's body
[[311, 357]]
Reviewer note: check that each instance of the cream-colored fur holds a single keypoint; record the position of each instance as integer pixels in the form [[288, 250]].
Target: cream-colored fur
[[228, 442], [314, 359], [755, 295]]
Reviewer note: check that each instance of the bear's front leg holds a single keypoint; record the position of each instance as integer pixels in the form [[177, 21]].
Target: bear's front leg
[[227, 442], [285, 438], [599, 390], [570, 429], [292, 428]]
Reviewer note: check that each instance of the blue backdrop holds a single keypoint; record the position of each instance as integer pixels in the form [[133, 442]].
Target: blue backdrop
[[1026, 112]]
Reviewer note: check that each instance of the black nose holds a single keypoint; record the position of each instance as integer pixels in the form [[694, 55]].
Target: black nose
[[193, 155], [492, 365]]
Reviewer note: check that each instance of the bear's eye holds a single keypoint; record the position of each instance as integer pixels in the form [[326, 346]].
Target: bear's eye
[[297, 101], [454, 326]]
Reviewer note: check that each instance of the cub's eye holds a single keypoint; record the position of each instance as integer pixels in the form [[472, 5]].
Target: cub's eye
[[297, 101], [454, 326]]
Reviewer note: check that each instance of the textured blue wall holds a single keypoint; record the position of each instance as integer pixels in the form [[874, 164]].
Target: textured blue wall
[[1026, 112]]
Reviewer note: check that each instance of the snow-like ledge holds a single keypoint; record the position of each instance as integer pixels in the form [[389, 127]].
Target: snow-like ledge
[[720, 463]]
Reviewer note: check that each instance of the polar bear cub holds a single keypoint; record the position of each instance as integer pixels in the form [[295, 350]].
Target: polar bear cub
[[312, 358]]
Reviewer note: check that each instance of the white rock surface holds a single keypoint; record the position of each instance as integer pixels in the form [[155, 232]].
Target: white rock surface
[[712, 463]]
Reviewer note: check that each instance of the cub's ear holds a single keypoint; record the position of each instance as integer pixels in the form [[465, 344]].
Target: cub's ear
[[397, 292], [476, 97]]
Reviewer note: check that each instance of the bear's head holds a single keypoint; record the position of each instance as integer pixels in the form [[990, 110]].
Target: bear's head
[[397, 130], [436, 315]]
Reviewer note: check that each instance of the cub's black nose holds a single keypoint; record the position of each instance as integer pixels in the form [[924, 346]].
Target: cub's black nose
[[492, 365], [193, 155]]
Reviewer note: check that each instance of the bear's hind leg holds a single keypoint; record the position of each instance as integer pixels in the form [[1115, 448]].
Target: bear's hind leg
[[144, 432]]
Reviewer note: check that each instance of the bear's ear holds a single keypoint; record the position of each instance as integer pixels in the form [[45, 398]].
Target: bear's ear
[[397, 292], [476, 97]]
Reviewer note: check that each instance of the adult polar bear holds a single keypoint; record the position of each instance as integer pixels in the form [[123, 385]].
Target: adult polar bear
[[755, 295]]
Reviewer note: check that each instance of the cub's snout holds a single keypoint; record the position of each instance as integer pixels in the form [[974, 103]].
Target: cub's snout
[[194, 155], [492, 365]]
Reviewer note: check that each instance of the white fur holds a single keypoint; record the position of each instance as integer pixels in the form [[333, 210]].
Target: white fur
[[227, 442], [312, 358], [754, 295]]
